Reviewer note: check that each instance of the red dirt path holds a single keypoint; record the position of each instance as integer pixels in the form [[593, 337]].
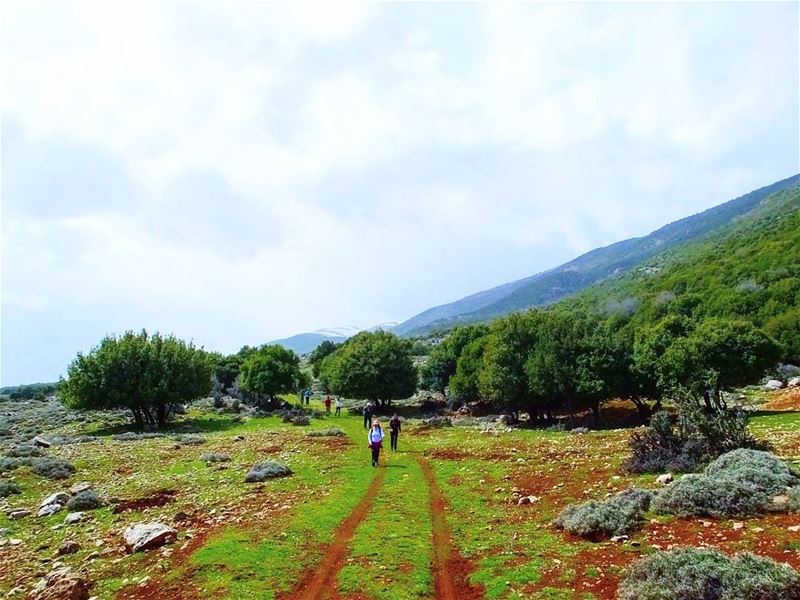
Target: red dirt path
[[450, 571], [321, 581]]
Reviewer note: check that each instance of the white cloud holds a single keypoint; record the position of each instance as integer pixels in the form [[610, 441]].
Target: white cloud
[[240, 171]]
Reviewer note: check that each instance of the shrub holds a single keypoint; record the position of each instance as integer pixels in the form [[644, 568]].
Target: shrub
[[437, 422], [266, 470], [215, 457], [690, 440], [333, 432], [742, 482], [53, 468], [7, 488], [25, 450], [85, 500], [191, 440], [794, 499], [695, 574], [8, 463], [595, 519], [301, 420]]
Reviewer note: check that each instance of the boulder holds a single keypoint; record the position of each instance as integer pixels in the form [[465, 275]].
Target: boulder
[[773, 384], [57, 498], [620, 538], [146, 536], [61, 584], [20, 513], [50, 509], [794, 382], [664, 479], [74, 517], [41, 442], [83, 486], [266, 470], [68, 547]]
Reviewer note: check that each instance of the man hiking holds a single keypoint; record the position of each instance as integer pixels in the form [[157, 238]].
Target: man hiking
[[338, 405], [394, 430], [367, 414], [375, 438], [328, 404]]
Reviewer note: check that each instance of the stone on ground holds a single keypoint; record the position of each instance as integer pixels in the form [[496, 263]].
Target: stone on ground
[[146, 536]]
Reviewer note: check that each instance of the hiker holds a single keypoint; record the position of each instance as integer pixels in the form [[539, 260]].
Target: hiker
[[308, 395], [367, 414], [394, 431], [338, 405], [328, 404], [375, 438]]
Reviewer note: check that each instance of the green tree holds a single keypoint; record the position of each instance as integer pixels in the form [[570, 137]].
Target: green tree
[[464, 383], [148, 374], [435, 374], [785, 328], [269, 371], [326, 348], [374, 365]]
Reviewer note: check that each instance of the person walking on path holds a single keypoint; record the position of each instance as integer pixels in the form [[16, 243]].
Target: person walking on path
[[328, 404], [338, 405], [375, 438], [308, 395], [394, 430], [367, 415]]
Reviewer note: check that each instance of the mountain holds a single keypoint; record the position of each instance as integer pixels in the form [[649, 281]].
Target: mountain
[[595, 266], [303, 343]]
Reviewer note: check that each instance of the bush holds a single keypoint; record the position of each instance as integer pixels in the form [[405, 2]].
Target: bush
[[689, 441], [191, 440], [794, 499], [437, 422], [617, 515], [739, 483], [266, 470], [7, 488], [695, 574], [8, 463], [53, 468], [215, 457], [333, 432], [23, 451], [85, 500], [301, 420]]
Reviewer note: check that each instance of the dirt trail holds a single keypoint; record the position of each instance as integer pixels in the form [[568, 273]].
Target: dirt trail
[[321, 581], [450, 571]]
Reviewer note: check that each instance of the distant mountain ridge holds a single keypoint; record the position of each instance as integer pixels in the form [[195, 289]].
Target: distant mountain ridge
[[303, 343], [590, 268]]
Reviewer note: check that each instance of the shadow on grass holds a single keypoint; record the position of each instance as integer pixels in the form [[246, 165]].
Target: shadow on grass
[[199, 424]]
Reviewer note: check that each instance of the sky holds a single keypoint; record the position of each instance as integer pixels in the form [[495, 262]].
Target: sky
[[234, 172]]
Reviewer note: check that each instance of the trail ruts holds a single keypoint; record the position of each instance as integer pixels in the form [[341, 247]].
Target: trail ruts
[[321, 582], [450, 571]]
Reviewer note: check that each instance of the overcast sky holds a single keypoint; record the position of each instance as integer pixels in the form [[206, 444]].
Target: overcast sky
[[234, 173]]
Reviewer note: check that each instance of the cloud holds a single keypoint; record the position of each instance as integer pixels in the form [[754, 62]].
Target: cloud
[[237, 172]]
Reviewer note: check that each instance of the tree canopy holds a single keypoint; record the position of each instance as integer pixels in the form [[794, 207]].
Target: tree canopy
[[269, 371]]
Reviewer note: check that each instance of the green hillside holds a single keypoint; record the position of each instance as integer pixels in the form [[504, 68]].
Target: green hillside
[[596, 266], [749, 269]]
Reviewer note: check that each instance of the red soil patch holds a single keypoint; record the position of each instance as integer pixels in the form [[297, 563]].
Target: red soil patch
[[788, 400], [321, 581], [156, 499], [451, 571]]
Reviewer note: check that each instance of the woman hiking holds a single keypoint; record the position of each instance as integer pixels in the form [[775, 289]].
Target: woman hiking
[[394, 430], [375, 438]]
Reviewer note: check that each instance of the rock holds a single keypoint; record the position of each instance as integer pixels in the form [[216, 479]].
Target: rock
[[83, 486], [238, 438], [773, 384], [266, 470], [738, 525], [50, 509], [794, 382], [780, 502], [68, 547], [664, 479], [620, 538], [61, 584], [74, 517], [794, 528], [146, 536], [57, 498], [19, 513], [523, 500], [41, 442]]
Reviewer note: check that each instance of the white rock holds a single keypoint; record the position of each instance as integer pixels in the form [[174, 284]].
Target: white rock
[[80, 487], [145, 536], [41, 442], [620, 538], [664, 479], [738, 525], [74, 517], [61, 584], [794, 382], [57, 498], [50, 509], [773, 384]]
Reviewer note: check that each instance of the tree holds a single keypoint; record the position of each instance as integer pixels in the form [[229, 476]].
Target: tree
[[148, 374], [375, 365], [464, 383], [269, 371], [319, 353], [441, 364]]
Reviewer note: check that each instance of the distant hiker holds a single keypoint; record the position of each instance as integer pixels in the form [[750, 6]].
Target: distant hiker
[[338, 405], [308, 395], [394, 430], [375, 438], [367, 414], [328, 404]]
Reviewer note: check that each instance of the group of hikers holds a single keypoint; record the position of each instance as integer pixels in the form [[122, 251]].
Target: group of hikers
[[375, 433]]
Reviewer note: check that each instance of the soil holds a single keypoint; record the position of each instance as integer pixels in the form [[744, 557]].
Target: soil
[[451, 571], [784, 400], [156, 499]]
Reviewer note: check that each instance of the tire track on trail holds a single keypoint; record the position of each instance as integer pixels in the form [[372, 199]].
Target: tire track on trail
[[450, 571], [321, 582]]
